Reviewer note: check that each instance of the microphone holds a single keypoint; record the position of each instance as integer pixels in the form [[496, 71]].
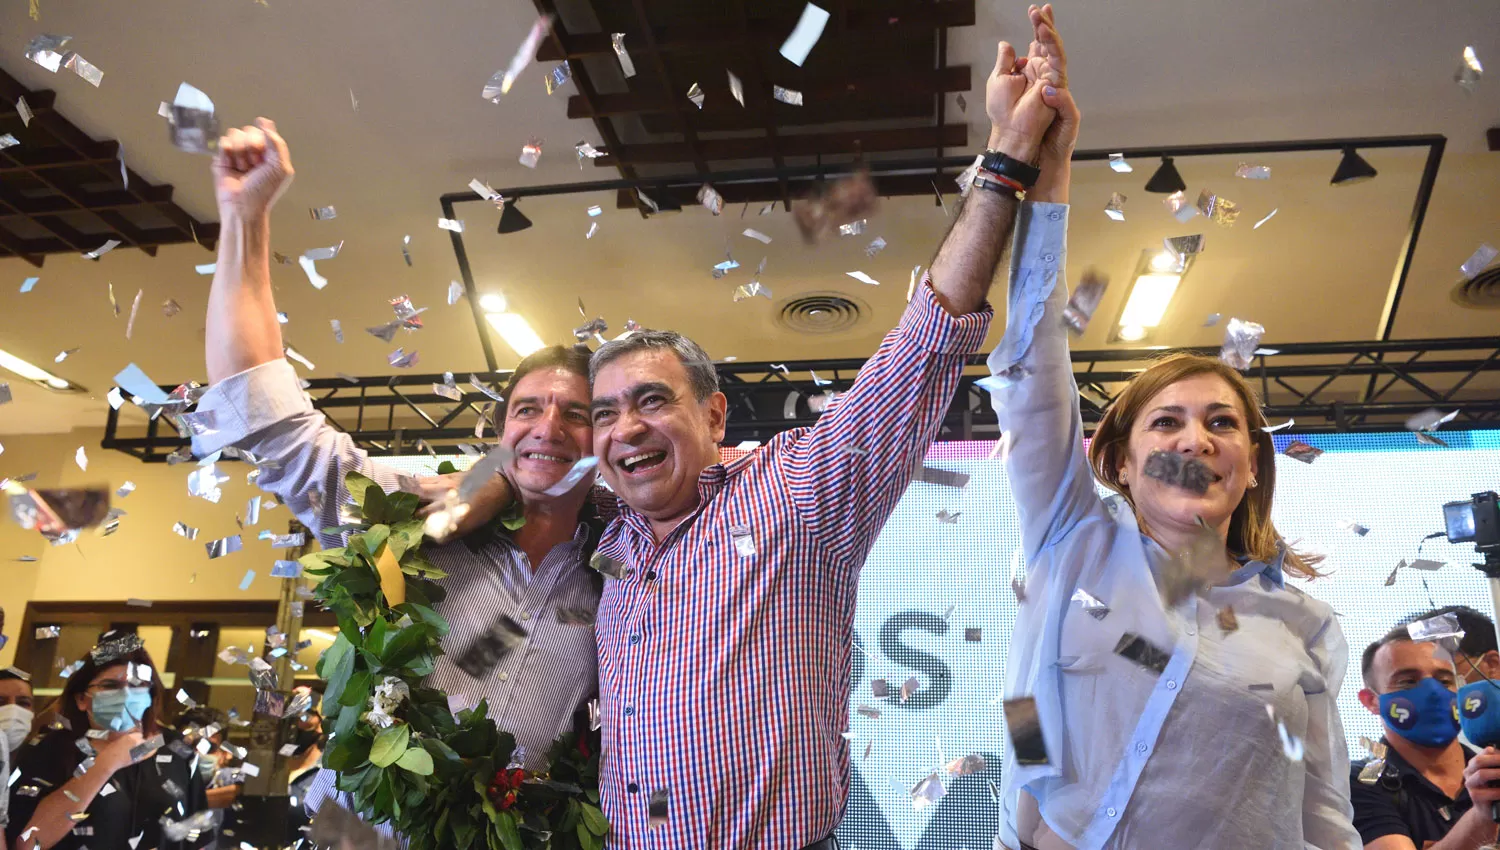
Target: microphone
[[1479, 718]]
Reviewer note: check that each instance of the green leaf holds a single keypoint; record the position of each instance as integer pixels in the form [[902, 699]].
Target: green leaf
[[416, 760], [348, 753], [337, 665], [389, 745], [446, 467], [400, 506], [594, 820], [358, 485], [405, 644], [585, 838], [375, 504], [505, 827], [357, 692]]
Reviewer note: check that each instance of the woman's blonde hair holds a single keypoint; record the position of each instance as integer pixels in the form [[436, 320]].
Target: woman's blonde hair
[[1250, 530]]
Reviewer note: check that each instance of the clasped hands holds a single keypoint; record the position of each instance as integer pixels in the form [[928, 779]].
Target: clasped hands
[[1031, 111]]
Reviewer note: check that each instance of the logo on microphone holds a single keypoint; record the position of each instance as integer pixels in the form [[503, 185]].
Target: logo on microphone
[[1402, 713], [1474, 704]]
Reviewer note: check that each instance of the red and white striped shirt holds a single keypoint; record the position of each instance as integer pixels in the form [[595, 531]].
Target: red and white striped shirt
[[724, 665]]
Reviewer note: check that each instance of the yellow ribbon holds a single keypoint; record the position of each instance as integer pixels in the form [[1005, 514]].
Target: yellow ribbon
[[392, 580]]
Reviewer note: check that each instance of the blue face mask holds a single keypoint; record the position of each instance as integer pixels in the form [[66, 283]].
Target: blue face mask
[[1479, 713], [1425, 714], [120, 710]]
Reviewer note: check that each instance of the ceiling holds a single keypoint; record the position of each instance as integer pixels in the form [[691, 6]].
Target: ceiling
[[1183, 72]]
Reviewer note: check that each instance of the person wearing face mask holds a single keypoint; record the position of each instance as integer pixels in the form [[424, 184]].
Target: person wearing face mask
[[15, 725], [1432, 791], [101, 781]]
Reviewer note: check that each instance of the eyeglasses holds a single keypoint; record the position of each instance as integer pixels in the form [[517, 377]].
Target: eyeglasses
[[107, 685]]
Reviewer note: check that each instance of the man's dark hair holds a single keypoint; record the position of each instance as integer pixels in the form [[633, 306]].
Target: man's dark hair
[[14, 673], [1479, 630], [702, 375], [1367, 660], [203, 716], [568, 358]]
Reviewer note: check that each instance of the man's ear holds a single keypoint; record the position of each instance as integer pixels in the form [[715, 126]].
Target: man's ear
[[1489, 664], [1370, 700], [718, 415]]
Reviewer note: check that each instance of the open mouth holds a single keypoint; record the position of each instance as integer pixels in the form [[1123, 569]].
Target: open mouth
[[641, 462], [543, 457]]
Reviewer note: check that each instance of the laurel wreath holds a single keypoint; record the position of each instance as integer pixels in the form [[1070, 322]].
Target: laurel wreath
[[441, 780]]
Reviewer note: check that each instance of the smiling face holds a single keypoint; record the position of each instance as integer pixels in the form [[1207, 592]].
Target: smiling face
[[652, 436], [547, 426], [1200, 417]]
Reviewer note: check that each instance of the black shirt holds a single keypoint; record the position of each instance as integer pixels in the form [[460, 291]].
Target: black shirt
[[141, 794], [1402, 802]]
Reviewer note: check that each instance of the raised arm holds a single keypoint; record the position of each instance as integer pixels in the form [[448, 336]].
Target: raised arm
[[251, 170], [1034, 392]]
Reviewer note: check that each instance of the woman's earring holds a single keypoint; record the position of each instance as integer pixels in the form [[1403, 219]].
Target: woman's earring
[[1253, 483]]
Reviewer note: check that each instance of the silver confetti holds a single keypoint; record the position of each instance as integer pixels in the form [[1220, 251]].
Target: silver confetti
[[1266, 219], [324, 213], [1353, 527], [1469, 71], [758, 236], [750, 290], [786, 95], [109, 245], [927, 792], [909, 688], [135, 306], [1291, 746], [627, 67], [455, 292], [583, 468], [806, 34], [224, 546], [695, 94], [531, 152], [736, 90], [1183, 247], [43, 50], [1084, 301], [401, 360], [453, 224], [710, 199], [744, 542], [24, 109], [184, 530], [559, 76], [875, 247], [1253, 172], [194, 128], [1435, 628], [1115, 209], [1217, 209], [8, 141], [949, 517], [1118, 163], [1478, 261], [1430, 420], [863, 278], [83, 68], [1090, 604], [1241, 339], [1271, 429], [1177, 204], [170, 308]]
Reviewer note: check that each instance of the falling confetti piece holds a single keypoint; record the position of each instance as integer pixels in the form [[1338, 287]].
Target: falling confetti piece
[[1268, 217], [806, 34], [31, 282], [863, 278], [1115, 209], [135, 305], [502, 81], [82, 459], [1253, 172], [787, 96], [531, 152], [736, 89], [695, 94], [170, 308], [1118, 163]]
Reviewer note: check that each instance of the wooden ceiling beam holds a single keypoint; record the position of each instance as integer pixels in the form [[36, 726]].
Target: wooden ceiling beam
[[709, 37], [802, 144]]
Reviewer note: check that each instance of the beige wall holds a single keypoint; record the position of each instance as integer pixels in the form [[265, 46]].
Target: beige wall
[[144, 559]]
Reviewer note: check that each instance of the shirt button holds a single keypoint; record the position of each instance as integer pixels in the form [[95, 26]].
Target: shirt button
[[1111, 811], [504, 677], [526, 615], [1171, 684], [629, 710], [650, 575], [1055, 216], [1047, 258], [632, 787], [1190, 630], [635, 639], [1140, 746]]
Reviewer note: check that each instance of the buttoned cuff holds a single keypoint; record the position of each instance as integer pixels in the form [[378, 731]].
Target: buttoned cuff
[[249, 402], [1042, 236], [931, 327]]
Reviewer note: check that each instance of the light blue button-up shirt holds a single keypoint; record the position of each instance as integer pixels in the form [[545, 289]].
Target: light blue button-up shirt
[[1188, 757]]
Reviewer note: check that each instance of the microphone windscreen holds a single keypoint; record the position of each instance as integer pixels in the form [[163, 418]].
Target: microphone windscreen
[[1479, 713]]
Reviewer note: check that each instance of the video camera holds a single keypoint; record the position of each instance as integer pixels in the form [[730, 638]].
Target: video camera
[[1477, 521]]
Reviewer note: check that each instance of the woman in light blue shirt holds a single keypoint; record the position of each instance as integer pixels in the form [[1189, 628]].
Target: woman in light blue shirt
[[1209, 720]]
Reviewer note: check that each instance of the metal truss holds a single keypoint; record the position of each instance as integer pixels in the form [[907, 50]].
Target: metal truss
[[1326, 387]]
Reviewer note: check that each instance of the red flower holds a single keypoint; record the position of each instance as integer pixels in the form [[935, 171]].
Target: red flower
[[505, 787], [583, 746], [508, 800]]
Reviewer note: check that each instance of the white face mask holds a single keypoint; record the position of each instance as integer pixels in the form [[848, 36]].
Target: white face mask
[[15, 725]]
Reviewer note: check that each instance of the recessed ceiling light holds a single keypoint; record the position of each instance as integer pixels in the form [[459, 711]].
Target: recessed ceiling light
[[492, 302], [31, 372], [516, 332]]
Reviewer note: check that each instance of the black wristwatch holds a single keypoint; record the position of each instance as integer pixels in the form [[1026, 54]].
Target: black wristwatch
[[1021, 172]]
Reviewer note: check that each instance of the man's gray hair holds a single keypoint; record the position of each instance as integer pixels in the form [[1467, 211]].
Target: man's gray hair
[[702, 376]]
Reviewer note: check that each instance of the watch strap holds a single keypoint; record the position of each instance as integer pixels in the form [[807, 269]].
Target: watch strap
[[1005, 166]]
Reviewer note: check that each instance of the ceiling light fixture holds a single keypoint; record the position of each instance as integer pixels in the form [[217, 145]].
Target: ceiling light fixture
[[1158, 276], [35, 374], [1352, 169], [512, 219], [516, 332], [1166, 180], [492, 302]]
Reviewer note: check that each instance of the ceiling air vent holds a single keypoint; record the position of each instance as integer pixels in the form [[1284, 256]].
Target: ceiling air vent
[[1483, 292], [821, 312]]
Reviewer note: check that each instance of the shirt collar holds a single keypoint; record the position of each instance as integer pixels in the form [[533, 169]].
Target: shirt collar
[[1251, 568]]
